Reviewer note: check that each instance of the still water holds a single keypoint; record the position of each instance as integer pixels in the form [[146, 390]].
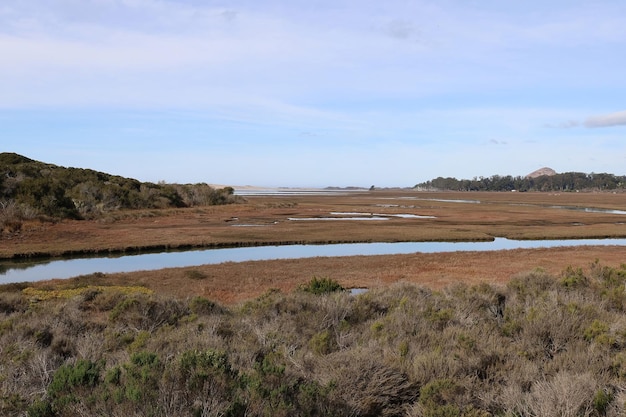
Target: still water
[[11, 271]]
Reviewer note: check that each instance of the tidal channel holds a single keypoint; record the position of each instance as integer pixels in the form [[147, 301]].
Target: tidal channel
[[29, 271]]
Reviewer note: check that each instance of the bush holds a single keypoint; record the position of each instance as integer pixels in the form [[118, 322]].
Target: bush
[[439, 393], [11, 302], [141, 377], [601, 401], [71, 382], [322, 343], [373, 389], [203, 306], [41, 409], [320, 286], [145, 312]]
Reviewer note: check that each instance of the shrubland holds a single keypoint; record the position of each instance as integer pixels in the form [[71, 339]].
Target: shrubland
[[541, 345], [32, 189]]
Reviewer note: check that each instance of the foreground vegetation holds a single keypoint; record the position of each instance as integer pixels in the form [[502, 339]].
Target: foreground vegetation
[[31, 189], [540, 346]]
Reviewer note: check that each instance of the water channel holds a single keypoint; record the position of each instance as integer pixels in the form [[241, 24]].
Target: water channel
[[22, 271]]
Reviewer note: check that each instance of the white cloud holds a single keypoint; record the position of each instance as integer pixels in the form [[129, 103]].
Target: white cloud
[[607, 120]]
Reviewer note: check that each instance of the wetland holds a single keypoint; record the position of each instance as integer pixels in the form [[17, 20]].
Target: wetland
[[258, 236]]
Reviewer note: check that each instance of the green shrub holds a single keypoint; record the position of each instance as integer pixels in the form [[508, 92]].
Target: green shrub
[[403, 348], [84, 373], [574, 278], [72, 383], [140, 341], [41, 409], [438, 393], [144, 359], [147, 312], [140, 379], [532, 285], [113, 375], [320, 286], [195, 274], [596, 330], [439, 317], [601, 401], [202, 362], [201, 305], [122, 307], [322, 343]]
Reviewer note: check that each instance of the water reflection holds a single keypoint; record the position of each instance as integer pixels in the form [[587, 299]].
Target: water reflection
[[65, 268], [590, 209], [356, 216], [312, 219]]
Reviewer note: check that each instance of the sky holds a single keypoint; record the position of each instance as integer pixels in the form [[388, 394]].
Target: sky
[[315, 93]]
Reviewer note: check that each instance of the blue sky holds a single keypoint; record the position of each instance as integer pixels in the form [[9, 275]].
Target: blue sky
[[315, 93]]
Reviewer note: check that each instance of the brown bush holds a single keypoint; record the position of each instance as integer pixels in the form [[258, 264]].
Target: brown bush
[[370, 387]]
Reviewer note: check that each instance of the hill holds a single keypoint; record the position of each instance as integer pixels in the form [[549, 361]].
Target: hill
[[541, 172], [30, 188]]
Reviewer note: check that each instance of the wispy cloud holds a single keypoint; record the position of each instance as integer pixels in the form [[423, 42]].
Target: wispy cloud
[[401, 29], [498, 142], [563, 125], [607, 120]]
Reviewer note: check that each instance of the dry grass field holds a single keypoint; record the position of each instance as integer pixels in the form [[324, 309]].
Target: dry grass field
[[264, 220]]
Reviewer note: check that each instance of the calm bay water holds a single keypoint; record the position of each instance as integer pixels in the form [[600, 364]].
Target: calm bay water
[[42, 270]]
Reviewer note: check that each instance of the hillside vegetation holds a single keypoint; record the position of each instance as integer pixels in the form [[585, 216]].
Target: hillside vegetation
[[30, 188], [541, 346], [568, 181]]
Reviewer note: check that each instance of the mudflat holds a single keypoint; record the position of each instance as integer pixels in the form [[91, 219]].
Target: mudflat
[[375, 216]]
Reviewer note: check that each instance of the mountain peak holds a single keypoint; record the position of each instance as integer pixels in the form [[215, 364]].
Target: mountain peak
[[541, 172]]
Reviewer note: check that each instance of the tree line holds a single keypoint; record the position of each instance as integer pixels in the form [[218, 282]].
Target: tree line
[[567, 181], [33, 188]]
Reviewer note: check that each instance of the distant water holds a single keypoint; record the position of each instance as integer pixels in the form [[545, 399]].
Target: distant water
[[295, 191]]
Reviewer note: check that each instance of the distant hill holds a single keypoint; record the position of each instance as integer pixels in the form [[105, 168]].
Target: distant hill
[[544, 179], [541, 172], [34, 188]]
